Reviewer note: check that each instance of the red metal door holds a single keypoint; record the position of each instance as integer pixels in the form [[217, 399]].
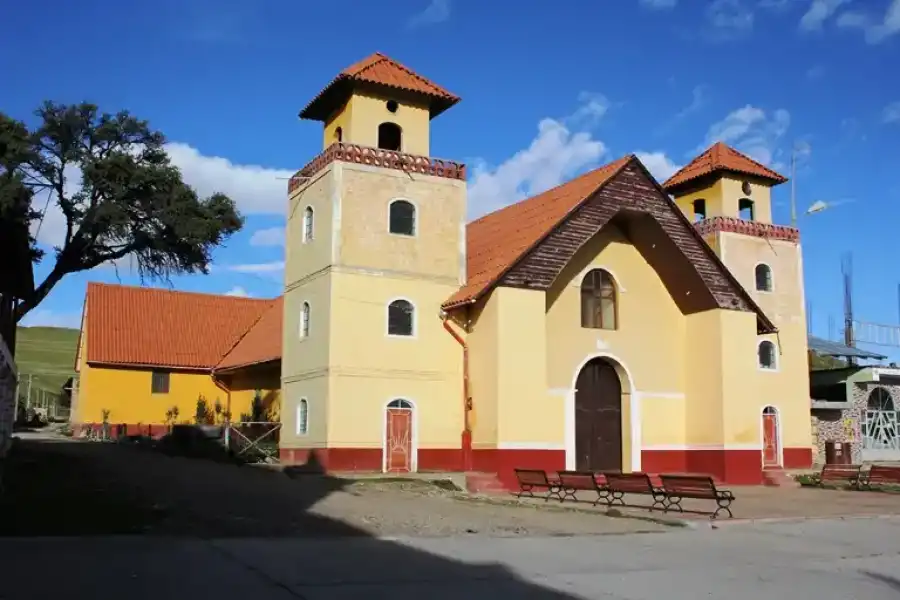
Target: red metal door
[[770, 440], [399, 440]]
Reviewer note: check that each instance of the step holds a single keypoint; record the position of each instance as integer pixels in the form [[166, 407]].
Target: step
[[484, 483], [778, 478]]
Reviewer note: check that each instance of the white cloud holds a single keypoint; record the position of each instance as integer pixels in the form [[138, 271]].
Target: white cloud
[[730, 19], [272, 236], [436, 12], [698, 100], [268, 267], [43, 317], [659, 165], [818, 12], [659, 4], [238, 291], [593, 107], [555, 155], [752, 131], [875, 31], [891, 113]]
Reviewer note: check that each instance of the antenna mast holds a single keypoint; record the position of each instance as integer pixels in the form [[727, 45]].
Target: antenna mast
[[793, 185]]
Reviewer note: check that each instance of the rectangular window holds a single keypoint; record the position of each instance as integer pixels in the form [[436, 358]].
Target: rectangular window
[[159, 383]]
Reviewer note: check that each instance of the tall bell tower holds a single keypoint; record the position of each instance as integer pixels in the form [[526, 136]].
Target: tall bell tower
[[375, 243], [728, 196]]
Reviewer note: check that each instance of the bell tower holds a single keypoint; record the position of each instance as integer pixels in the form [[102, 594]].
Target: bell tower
[[728, 196], [375, 243]]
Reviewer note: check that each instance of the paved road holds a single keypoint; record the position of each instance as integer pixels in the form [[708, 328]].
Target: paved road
[[857, 559]]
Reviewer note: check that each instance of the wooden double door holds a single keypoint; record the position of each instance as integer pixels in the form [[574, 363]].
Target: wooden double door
[[598, 418]]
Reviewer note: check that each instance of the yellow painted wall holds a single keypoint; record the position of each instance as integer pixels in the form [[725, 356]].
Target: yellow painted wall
[[126, 394], [244, 386], [704, 386], [368, 368], [437, 251], [364, 112], [313, 386], [484, 356], [723, 196]]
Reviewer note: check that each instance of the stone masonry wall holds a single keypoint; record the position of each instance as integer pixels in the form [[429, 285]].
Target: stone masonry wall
[[845, 425]]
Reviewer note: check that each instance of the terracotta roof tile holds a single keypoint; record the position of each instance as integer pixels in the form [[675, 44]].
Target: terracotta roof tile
[[377, 69], [496, 241], [155, 327], [261, 344], [718, 158]]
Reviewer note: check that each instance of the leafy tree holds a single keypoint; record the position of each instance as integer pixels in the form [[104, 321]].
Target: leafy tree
[[131, 200]]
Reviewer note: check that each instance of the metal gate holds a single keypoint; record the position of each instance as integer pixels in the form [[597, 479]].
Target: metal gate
[[880, 431]]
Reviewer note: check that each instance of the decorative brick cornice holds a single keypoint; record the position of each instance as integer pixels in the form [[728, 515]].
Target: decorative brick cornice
[[376, 157], [754, 228]]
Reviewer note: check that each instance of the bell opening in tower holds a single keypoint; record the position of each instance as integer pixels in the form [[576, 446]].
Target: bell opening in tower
[[745, 209], [390, 137]]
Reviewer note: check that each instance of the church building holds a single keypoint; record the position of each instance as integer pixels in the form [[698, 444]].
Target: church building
[[610, 323]]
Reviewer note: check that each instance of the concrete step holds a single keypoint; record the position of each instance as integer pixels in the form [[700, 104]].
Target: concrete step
[[778, 478], [484, 483]]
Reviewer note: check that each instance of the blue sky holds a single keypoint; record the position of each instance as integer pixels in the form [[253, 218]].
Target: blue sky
[[549, 90]]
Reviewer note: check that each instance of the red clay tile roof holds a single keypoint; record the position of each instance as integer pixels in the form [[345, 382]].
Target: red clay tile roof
[[137, 326], [261, 343], [380, 70], [717, 158], [496, 241]]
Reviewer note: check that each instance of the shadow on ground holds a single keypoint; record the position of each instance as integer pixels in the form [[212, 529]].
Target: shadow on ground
[[88, 491]]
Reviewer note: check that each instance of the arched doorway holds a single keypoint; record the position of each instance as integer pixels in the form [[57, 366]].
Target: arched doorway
[[399, 453], [598, 417], [390, 136], [771, 442]]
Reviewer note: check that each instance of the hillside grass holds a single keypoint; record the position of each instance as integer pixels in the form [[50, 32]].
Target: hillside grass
[[48, 354]]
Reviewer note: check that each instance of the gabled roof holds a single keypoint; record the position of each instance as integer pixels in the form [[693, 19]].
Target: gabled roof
[[261, 343], [497, 240], [379, 70], [721, 158], [135, 326]]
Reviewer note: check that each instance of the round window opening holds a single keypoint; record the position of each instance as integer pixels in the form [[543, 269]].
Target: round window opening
[[392, 106], [745, 187]]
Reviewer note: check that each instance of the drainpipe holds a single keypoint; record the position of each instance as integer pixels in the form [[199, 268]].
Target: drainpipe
[[467, 399], [220, 383]]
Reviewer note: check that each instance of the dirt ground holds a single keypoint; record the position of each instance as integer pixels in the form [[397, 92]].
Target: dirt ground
[[64, 487]]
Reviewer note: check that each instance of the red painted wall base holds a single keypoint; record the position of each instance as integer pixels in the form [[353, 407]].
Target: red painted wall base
[[737, 467]]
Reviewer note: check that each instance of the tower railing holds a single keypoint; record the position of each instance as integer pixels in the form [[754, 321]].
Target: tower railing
[[378, 157], [755, 228]]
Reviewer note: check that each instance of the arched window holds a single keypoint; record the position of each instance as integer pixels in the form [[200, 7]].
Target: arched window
[[880, 399], [699, 206], [766, 355], [401, 315], [763, 278], [339, 134], [402, 217], [302, 416], [400, 403], [745, 208], [598, 301], [304, 320], [308, 224], [390, 136]]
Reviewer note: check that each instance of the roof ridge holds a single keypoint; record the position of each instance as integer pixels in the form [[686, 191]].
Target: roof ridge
[[421, 78], [150, 289], [245, 334]]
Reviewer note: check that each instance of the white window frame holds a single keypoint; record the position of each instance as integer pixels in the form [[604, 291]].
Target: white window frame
[[309, 224], [303, 404], [305, 320], [771, 278], [775, 357], [415, 319], [415, 206]]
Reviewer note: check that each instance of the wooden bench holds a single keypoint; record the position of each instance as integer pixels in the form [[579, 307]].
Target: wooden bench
[[878, 476], [700, 487], [839, 474], [571, 482], [619, 484], [536, 479]]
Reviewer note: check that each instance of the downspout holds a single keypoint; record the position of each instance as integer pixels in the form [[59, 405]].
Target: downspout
[[467, 399], [220, 383]]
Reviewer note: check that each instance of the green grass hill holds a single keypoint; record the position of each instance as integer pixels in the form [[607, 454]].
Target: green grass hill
[[47, 353]]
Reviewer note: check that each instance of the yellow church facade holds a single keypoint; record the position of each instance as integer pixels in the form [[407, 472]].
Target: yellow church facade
[[609, 323]]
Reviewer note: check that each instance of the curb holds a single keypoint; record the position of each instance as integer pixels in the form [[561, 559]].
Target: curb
[[725, 523]]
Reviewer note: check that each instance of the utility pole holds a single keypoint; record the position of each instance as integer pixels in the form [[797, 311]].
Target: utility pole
[[28, 397]]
